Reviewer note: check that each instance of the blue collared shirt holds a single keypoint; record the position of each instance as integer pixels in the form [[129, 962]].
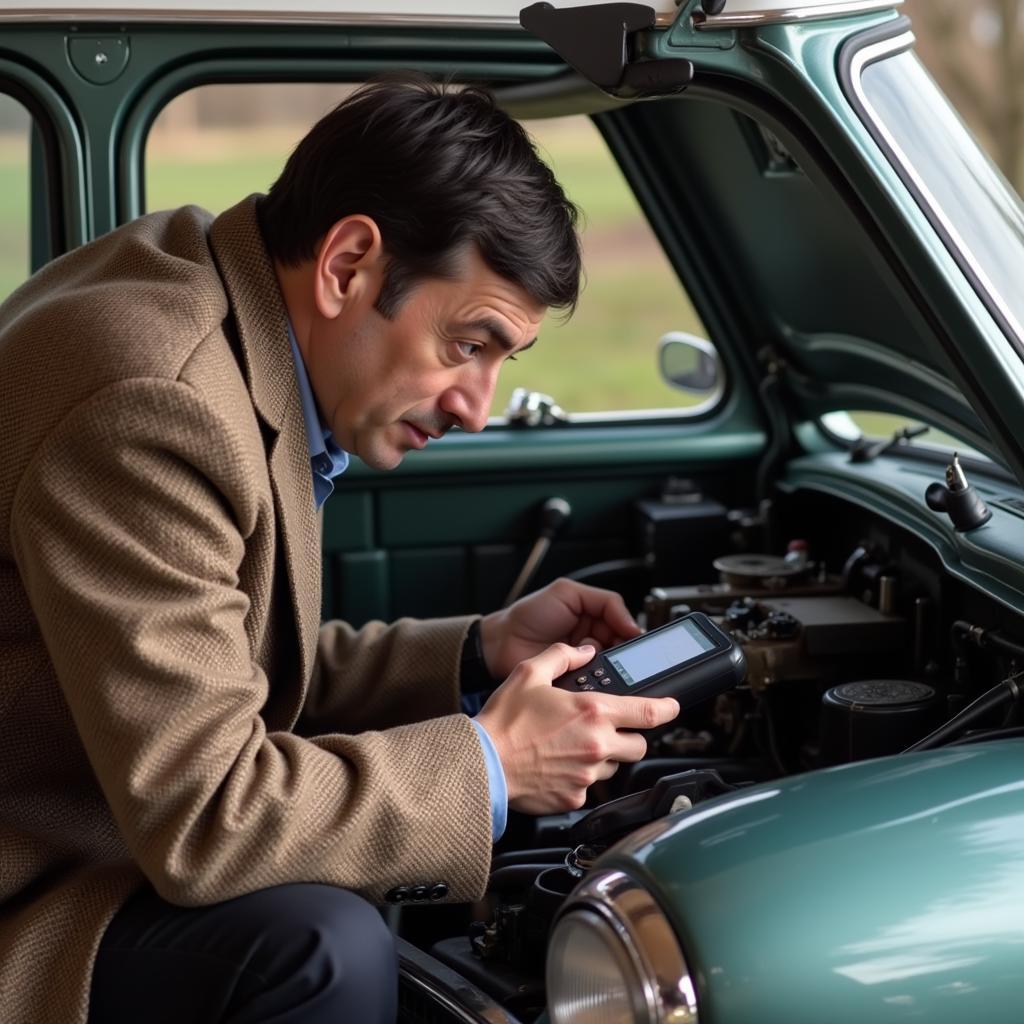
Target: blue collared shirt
[[327, 458], [329, 461]]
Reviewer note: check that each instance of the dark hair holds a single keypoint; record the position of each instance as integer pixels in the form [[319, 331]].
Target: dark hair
[[436, 167]]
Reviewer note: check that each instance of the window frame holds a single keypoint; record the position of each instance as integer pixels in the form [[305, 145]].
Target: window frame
[[58, 204], [859, 54]]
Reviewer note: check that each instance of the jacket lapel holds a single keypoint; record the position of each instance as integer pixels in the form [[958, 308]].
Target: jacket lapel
[[261, 322]]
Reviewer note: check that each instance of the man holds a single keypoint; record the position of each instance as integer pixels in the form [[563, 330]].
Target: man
[[202, 789]]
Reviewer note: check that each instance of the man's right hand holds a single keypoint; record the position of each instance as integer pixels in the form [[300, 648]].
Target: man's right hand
[[553, 743]]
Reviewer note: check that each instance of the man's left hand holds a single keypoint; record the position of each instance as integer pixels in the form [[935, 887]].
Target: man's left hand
[[563, 612]]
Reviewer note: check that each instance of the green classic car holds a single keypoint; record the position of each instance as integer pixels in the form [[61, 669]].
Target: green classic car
[[824, 452]]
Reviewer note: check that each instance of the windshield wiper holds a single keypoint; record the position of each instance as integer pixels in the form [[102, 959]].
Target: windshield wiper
[[865, 451]]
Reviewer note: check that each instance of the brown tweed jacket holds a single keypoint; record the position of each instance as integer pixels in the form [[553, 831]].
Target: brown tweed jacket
[[171, 708]]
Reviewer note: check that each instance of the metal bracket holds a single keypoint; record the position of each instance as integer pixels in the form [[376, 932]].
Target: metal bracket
[[594, 40], [98, 59]]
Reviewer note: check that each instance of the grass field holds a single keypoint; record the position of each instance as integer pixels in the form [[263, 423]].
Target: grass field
[[14, 199]]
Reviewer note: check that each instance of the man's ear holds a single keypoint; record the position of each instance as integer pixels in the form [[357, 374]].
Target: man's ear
[[349, 265]]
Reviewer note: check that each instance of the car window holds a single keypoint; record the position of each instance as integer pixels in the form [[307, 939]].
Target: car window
[[217, 143], [974, 206], [15, 177]]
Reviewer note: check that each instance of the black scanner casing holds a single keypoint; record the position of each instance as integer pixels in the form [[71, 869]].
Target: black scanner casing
[[697, 679]]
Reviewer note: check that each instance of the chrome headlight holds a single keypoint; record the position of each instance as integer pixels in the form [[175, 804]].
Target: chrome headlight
[[614, 959]]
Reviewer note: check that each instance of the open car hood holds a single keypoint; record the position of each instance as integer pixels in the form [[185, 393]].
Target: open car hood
[[829, 262]]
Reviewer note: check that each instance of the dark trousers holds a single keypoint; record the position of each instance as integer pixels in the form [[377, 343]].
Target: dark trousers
[[301, 954]]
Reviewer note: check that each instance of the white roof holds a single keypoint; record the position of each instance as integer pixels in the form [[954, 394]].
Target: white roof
[[454, 12], [476, 12], [763, 12]]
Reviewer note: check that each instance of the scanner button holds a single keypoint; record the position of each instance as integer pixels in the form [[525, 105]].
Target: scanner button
[[598, 672], [581, 680], [587, 686], [605, 682]]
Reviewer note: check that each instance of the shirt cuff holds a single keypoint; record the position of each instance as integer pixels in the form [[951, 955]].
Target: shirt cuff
[[495, 781]]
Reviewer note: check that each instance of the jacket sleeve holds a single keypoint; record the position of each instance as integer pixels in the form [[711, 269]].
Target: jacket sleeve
[[413, 665], [129, 528]]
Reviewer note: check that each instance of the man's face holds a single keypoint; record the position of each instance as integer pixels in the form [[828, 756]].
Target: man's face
[[386, 386]]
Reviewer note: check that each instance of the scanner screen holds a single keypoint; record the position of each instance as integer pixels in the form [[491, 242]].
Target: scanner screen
[[651, 655]]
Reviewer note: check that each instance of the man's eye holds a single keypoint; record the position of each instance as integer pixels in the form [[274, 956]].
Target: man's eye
[[468, 349]]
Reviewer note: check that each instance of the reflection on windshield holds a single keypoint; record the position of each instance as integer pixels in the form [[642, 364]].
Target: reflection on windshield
[[976, 205], [853, 424]]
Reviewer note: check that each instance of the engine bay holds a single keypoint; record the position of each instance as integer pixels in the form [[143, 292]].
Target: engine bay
[[859, 644]]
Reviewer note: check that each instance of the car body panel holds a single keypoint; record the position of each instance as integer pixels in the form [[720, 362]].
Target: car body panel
[[893, 889]]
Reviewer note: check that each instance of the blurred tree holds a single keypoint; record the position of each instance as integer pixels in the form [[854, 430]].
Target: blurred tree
[[976, 52]]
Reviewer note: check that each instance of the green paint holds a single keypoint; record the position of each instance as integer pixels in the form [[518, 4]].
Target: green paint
[[888, 891]]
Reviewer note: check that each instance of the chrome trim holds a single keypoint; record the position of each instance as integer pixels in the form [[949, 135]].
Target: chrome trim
[[648, 938], [447, 989], [869, 55], [533, 409], [258, 17], [839, 9], [618, 417]]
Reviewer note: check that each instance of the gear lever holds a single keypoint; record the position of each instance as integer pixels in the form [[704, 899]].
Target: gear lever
[[555, 513]]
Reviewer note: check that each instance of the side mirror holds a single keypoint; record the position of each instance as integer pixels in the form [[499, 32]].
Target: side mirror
[[691, 364]]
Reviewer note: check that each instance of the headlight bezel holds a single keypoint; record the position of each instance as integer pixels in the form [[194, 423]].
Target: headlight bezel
[[647, 937]]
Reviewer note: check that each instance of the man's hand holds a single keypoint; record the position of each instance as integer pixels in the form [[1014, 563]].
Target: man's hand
[[553, 743], [563, 611]]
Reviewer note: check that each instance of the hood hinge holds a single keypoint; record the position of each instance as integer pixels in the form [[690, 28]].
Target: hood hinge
[[595, 40]]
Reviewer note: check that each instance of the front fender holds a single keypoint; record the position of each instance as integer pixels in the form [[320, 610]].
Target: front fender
[[883, 891]]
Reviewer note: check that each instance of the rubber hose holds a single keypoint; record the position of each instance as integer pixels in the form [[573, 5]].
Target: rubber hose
[[987, 702]]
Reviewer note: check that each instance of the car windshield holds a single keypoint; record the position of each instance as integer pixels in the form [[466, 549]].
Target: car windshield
[[973, 204]]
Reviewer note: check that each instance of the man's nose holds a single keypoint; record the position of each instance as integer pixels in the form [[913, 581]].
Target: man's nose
[[470, 405]]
